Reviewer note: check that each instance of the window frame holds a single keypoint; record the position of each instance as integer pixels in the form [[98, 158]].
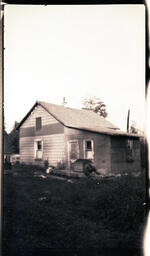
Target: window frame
[[36, 149], [129, 150], [92, 148]]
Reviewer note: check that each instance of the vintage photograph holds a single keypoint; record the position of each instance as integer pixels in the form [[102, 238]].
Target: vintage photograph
[[74, 128]]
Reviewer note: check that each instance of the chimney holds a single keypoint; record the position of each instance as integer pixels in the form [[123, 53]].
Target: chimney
[[64, 103]]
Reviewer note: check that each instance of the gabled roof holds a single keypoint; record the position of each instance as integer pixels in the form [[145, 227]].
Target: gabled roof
[[78, 119]]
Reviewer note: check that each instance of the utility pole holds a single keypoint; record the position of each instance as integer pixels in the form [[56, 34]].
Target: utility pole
[[128, 119]]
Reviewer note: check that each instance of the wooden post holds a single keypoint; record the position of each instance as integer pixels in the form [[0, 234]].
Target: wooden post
[[1, 110]]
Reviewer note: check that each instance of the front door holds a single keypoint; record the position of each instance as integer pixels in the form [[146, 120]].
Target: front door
[[73, 151]]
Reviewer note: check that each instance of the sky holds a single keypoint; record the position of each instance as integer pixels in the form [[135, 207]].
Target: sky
[[75, 52]]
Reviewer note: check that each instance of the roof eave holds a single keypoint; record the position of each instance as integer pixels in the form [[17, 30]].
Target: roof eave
[[26, 116], [105, 132], [39, 103]]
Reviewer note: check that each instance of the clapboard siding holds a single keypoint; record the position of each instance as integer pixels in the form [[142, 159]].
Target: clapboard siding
[[102, 157], [53, 149], [26, 150], [119, 161], [39, 112], [45, 130]]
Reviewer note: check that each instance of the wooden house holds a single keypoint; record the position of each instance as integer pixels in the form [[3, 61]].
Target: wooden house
[[62, 135]]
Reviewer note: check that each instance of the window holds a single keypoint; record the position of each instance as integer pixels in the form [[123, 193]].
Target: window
[[88, 149], [130, 144], [38, 123], [129, 150], [39, 145], [38, 149], [88, 145]]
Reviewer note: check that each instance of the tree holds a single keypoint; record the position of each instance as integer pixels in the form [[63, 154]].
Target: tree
[[14, 139], [96, 105]]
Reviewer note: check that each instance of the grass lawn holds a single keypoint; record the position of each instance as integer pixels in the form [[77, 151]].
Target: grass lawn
[[49, 213]]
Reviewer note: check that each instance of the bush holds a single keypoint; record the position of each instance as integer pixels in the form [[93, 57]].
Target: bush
[[46, 163], [89, 168], [61, 166], [7, 165], [28, 169]]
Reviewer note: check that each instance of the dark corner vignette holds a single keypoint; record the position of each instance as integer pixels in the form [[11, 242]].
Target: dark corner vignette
[[146, 204]]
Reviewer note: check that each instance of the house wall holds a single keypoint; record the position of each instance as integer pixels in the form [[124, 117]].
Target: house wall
[[51, 134], [53, 149], [102, 159], [119, 163]]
